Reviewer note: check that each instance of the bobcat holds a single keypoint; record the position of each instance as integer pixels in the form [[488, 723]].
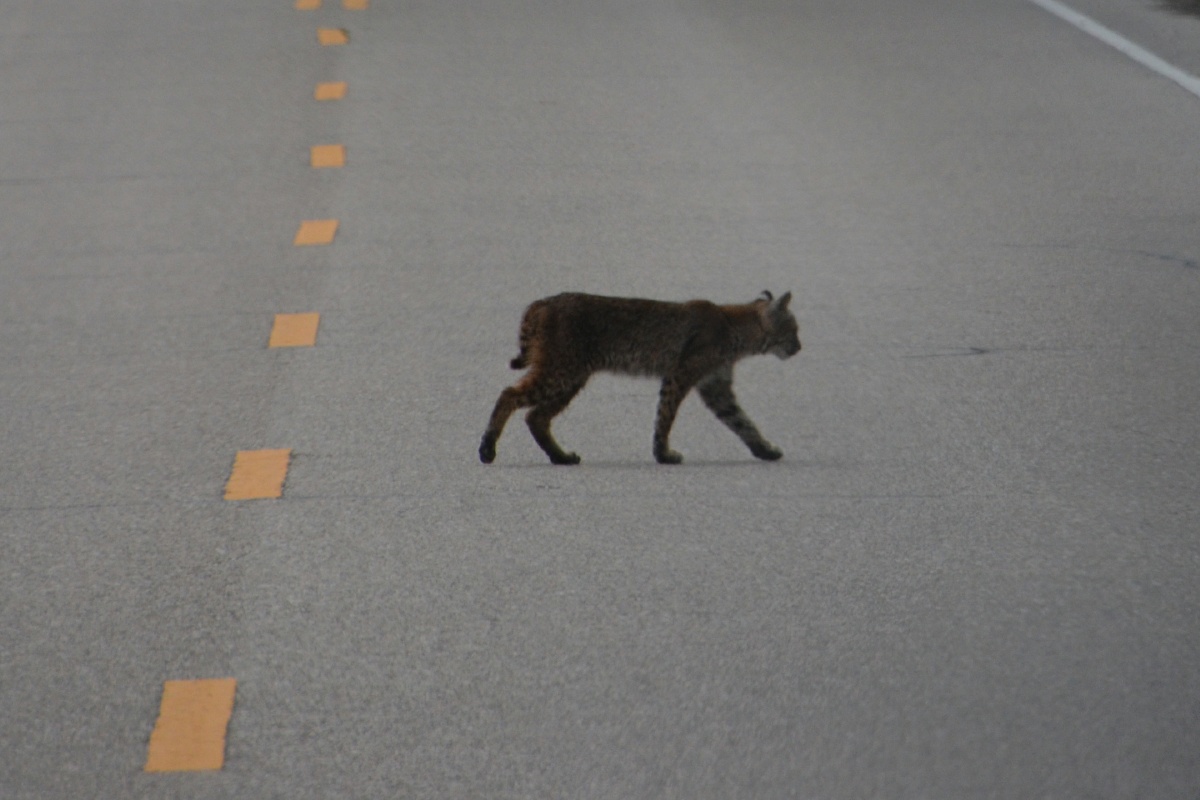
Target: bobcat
[[566, 338]]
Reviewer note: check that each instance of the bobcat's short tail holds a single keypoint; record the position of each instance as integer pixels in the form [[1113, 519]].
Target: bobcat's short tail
[[531, 328]]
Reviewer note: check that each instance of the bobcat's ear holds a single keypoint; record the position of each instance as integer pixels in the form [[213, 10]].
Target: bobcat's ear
[[765, 297], [782, 303]]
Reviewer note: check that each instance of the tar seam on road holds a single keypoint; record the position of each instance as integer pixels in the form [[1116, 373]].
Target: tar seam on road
[[1138, 53]]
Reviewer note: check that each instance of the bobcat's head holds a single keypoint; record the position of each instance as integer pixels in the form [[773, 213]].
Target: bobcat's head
[[782, 332]]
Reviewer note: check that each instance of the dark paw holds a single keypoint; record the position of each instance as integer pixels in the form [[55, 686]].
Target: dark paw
[[668, 457], [564, 459], [767, 452], [487, 451]]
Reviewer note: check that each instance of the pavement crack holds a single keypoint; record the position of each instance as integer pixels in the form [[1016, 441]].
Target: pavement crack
[[1186, 263]]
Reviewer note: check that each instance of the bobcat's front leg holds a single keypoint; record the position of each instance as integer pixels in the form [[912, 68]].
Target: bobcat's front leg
[[669, 397], [717, 393]]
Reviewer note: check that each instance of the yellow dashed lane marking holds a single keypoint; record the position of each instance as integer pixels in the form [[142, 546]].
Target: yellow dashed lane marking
[[328, 155], [257, 474], [316, 231], [355, 5], [332, 36], [307, 5], [334, 90], [190, 731], [294, 330]]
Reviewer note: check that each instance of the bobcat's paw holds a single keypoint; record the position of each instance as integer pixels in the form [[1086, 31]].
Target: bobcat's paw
[[767, 452], [487, 451], [668, 457], [565, 459]]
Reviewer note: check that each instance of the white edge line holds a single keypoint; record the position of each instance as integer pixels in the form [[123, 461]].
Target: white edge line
[[1116, 40]]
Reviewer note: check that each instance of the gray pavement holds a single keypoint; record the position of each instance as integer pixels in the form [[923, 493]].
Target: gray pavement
[[972, 575]]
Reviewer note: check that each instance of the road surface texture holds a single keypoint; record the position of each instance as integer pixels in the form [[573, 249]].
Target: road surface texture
[[973, 574]]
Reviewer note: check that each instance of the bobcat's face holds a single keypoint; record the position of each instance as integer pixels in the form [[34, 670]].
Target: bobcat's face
[[783, 332], [785, 343]]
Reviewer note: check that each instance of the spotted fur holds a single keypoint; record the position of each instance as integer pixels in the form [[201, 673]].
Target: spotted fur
[[566, 338]]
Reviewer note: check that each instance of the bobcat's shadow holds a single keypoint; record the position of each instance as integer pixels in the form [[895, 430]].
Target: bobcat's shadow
[[649, 465]]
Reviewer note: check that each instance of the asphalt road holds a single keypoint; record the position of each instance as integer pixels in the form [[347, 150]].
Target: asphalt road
[[973, 574]]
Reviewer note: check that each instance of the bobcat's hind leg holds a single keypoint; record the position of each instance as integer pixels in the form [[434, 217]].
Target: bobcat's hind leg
[[510, 400], [717, 393], [546, 407]]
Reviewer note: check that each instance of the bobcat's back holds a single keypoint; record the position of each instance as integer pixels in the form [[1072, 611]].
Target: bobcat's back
[[590, 333]]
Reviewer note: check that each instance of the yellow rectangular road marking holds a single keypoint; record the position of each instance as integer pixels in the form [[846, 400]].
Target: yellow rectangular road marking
[[257, 474], [334, 90], [332, 36], [294, 330], [316, 231], [307, 5], [190, 731], [355, 5], [328, 155]]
